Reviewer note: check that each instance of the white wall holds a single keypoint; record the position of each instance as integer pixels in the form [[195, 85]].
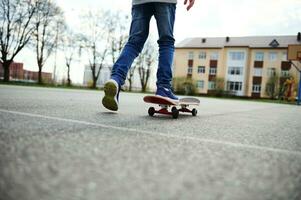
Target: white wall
[[237, 63]]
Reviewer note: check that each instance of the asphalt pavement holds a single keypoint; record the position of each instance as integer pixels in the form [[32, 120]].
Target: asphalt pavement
[[62, 144]]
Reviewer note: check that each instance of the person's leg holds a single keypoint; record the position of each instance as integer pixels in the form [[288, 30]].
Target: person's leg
[[165, 17], [141, 15]]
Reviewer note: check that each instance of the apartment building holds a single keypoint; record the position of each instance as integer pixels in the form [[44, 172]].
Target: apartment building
[[244, 63]]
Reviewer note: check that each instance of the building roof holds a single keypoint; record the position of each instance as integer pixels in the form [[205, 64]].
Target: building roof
[[250, 41]]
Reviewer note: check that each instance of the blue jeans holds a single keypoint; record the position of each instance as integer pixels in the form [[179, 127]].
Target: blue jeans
[[141, 15]]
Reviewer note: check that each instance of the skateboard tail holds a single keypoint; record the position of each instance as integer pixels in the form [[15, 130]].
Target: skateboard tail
[[158, 100]]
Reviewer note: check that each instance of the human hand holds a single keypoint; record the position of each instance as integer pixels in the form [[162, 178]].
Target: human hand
[[190, 4]]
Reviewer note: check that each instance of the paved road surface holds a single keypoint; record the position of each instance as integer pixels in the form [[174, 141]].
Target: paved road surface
[[62, 144]]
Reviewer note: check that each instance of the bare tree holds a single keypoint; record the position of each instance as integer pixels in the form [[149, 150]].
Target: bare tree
[[116, 24], [131, 73], [146, 61], [15, 29], [70, 48], [95, 41], [95, 63], [48, 22]]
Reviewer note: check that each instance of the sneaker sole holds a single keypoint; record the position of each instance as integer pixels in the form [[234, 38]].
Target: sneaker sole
[[108, 100]]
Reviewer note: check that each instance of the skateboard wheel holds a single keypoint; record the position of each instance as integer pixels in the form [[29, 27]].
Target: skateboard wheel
[[175, 113], [151, 111], [194, 112], [173, 109]]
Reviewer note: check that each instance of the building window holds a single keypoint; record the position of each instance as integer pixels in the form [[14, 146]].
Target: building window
[[256, 88], [211, 85], [212, 71], [273, 56], [257, 72], [235, 70], [259, 56], [237, 55], [200, 84], [201, 69], [271, 72], [190, 55], [214, 56], [285, 73], [189, 71], [202, 55], [284, 56], [234, 86]]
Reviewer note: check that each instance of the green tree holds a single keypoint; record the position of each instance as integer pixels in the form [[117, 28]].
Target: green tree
[[219, 86], [272, 87], [183, 85]]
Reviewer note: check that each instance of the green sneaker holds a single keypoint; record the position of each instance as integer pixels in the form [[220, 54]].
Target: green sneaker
[[110, 100]]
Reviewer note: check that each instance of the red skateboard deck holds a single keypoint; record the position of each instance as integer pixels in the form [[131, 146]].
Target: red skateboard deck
[[158, 100], [166, 103]]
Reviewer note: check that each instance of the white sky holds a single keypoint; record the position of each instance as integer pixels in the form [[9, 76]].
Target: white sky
[[208, 18]]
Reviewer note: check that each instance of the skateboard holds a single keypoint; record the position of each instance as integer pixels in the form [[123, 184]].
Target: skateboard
[[164, 103]]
